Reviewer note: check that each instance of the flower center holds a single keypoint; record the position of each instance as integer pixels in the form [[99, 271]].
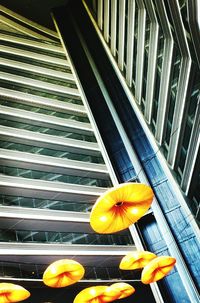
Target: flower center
[[120, 203]]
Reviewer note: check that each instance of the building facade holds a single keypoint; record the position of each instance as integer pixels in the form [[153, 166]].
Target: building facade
[[155, 46], [52, 168], [108, 105]]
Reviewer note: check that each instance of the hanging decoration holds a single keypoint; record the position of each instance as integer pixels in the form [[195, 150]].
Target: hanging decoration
[[62, 273], [120, 206], [136, 259], [120, 290], [103, 294], [10, 292], [91, 294], [115, 210], [157, 268]]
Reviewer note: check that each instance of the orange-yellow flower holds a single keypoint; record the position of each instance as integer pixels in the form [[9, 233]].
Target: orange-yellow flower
[[62, 273], [10, 292], [157, 269], [136, 259], [120, 206], [104, 294]]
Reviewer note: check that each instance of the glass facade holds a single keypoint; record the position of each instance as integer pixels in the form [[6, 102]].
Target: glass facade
[[170, 127], [174, 84], [34, 75], [35, 271], [29, 202], [53, 152], [50, 112], [42, 92], [45, 188], [46, 130], [56, 177], [31, 48], [24, 236], [25, 57], [32, 69]]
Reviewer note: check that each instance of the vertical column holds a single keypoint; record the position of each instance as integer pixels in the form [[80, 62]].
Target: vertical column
[[113, 26], [140, 50], [121, 34], [192, 153], [130, 41], [151, 72], [106, 19], [165, 73], [100, 14], [193, 7], [184, 75]]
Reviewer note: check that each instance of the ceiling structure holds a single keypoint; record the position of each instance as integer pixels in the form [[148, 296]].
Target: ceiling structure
[[35, 10], [20, 259], [39, 12]]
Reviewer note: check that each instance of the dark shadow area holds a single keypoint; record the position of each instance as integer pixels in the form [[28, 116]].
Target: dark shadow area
[[67, 294], [35, 10]]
